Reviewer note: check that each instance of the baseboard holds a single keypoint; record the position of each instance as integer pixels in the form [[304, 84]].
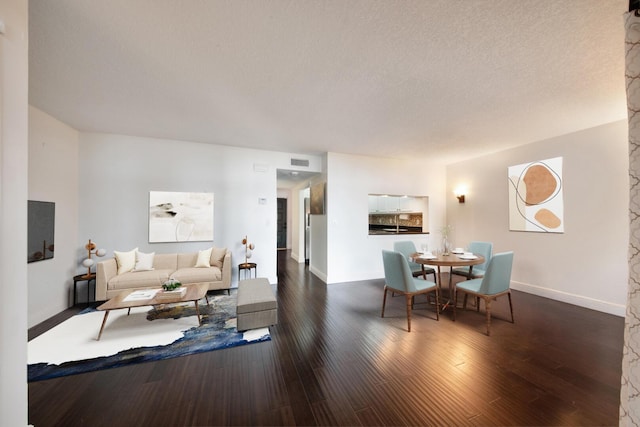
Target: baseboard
[[318, 273], [579, 300], [296, 257]]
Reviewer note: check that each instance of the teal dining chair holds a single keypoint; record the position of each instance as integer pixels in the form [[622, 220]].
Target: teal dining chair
[[479, 248], [407, 248], [398, 279], [495, 283]]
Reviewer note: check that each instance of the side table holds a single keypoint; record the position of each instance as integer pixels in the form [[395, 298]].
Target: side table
[[248, 266], [82, 278]]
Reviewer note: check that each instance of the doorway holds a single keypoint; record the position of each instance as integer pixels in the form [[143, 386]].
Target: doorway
[[282, 223]]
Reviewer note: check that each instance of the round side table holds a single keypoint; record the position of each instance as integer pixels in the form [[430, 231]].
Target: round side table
[[247, 267], [81, 278]]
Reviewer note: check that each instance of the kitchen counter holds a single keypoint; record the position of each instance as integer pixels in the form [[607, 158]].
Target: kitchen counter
[[386, 229]]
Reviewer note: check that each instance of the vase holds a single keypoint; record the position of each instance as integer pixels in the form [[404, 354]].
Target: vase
[[446, 246]]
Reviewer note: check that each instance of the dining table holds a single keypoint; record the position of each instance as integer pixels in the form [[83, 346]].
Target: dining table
[[450, 260]]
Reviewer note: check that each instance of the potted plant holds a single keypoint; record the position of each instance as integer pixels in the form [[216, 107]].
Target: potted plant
[[171, 285]]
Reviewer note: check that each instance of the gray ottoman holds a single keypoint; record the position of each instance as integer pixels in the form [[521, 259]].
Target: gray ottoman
[[256, 305]]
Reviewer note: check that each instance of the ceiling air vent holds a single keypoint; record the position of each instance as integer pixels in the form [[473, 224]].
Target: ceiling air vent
[[300, 162]]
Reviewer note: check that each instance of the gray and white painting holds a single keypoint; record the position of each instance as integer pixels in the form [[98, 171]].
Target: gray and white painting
[[180, 217]]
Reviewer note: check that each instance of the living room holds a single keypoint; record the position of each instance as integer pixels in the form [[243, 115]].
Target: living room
[[102, 181]]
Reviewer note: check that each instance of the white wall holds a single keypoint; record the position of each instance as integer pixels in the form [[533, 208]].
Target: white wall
[[351, 252], [13, 211], [318, 231], [298, 220], [587, 264], [123, 169], [53, 177]]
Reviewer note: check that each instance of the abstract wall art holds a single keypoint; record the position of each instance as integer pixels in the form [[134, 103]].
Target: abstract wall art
[[180, 217], [317, 199], [536, 196]]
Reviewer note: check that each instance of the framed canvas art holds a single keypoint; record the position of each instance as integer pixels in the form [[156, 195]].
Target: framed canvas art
[[41, 230], [536, 196], [180, 217], [317, 199]]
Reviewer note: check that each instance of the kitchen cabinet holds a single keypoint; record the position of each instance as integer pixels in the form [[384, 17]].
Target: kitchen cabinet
[[394, 214]]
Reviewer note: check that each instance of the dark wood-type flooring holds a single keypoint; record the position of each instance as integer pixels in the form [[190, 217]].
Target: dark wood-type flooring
[[333, 361]]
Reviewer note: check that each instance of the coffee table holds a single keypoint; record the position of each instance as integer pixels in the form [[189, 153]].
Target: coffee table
[[195, 292]]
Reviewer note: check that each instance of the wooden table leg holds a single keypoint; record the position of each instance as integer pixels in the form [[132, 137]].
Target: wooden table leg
[[444, 306], [198, 312], [451, 291], [104, 321]]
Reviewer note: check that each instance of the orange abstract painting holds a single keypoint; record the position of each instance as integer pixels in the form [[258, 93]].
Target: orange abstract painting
[[536, 197]]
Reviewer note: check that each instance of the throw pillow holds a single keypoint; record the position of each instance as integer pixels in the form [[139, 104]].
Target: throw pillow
[[144, 262], [217, 255], [125, 260], [203, 258]]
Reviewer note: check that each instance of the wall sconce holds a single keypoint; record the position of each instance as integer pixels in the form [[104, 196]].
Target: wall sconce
[[460, 192], [91, 250]]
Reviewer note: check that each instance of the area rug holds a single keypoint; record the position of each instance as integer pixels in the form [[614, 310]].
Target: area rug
[[146, 334]]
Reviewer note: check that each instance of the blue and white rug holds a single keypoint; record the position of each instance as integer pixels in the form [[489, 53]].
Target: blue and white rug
[[146, 334]]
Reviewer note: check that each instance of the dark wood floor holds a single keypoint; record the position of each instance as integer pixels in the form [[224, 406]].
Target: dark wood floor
[[333, 361]]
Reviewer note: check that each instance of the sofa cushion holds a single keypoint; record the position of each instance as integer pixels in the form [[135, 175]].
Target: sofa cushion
[[196, 274], [217, 256], [166, 262], [204, 258], [126, 260], [186, 260], [139, 279], [144, 262]]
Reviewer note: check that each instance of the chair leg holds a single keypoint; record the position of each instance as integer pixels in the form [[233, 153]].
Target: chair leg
[[437, 304], [409, 298], [487, 303], [510, 306], [384, 300], [478, 304]]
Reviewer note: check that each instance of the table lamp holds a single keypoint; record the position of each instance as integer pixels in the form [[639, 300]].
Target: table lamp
[[248, 247], [91, 250]]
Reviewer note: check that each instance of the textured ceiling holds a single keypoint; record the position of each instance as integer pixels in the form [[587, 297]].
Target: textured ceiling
[[436, 78]]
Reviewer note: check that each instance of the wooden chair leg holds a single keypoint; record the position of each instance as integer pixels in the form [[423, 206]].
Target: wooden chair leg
[[478, 304], [464, 302], [409, 299], [487, 303], [384, 300], [510, 306], [437, 304]]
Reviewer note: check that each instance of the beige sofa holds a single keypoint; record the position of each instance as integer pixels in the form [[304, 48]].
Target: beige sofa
[[179, 266]]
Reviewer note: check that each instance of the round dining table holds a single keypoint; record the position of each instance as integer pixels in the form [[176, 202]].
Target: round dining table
[[450, 260]]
